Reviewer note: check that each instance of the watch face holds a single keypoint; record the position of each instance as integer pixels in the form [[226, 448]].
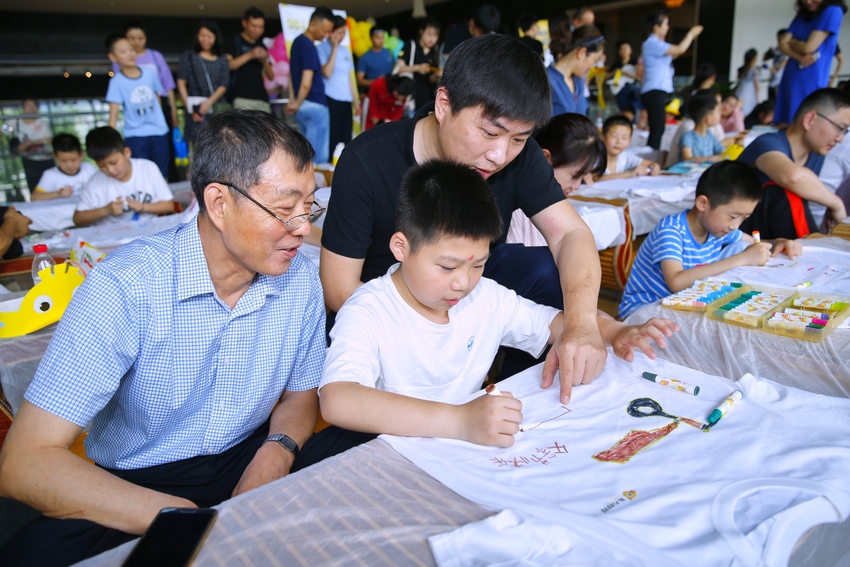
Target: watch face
[[287, 443]]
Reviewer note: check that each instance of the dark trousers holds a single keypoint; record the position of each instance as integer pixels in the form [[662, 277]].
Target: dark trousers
[[205, 480], [655, 102], [155, 148], [328, 442], [341, 120], [531, 272]]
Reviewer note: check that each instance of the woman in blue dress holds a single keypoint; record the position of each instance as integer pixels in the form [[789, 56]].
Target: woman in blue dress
[[810, 43], [575, 54]]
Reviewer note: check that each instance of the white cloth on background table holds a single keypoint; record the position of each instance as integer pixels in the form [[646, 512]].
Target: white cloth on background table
[[53, 214], [606, 222]]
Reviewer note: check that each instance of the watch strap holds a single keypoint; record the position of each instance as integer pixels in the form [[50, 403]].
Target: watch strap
[[284, 441]]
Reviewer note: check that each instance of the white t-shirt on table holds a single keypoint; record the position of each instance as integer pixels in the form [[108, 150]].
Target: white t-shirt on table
[[380, 341], [145, 185]]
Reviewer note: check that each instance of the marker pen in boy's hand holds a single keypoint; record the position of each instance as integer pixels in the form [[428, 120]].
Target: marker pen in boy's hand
[[721, 410], [494, 391], [756, 236]]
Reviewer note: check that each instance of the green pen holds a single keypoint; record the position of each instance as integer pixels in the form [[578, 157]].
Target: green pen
[[721, 410]]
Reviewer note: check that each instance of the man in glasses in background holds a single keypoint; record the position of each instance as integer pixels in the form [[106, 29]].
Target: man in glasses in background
[[788, 163], [176, 349]]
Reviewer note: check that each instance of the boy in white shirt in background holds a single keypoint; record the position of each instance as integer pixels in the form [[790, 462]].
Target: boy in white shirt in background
[[69, 174], [617, 134], [410, 346], [124, 189]]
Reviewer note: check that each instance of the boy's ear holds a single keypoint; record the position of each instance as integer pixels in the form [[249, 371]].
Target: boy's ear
[[548, 155], [111, 57], [128, 153], [399, 246], [702, 204]]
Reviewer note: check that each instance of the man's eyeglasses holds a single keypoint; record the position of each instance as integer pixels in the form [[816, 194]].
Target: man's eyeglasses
[[842, 130], [292, 224]]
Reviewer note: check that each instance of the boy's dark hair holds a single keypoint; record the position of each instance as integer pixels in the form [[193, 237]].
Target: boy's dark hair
[[253, 13], [322, 13], [112, 40], [103, 142], [232, 146], [66, 143], [572, 139], [700, 106], [728, 180], [339, 22], [375, 29], [475, 75], [826, 101], [429, 22], [486, 18], [401, 84], [217, 48], [446, 198], [617, 120], [623, 42]]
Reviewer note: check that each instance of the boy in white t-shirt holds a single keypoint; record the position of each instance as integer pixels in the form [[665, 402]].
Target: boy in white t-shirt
[[408, 346], [69, 174], [124, 189], [617, 135]]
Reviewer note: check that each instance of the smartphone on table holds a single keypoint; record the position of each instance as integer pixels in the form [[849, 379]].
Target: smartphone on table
[[173, 538]]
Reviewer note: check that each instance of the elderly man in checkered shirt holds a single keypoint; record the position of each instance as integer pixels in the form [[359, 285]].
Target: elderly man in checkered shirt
[[177, 349]]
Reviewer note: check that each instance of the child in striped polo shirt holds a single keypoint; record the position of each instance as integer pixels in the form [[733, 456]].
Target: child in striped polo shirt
[[695, 244]]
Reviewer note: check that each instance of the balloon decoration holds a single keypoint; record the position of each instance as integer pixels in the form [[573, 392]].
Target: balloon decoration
[[361, 42], [277, 51]]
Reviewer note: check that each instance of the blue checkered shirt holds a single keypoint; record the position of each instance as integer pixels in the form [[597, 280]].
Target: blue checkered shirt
[[163, 368]]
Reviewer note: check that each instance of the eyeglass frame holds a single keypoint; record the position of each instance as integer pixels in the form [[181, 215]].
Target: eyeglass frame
[[310, 217], [843, 130]]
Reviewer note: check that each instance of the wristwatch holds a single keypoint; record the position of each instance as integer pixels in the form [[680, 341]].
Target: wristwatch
[[284, 441]]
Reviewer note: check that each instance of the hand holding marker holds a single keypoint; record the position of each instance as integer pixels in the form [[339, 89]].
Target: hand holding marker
[[494, 391]]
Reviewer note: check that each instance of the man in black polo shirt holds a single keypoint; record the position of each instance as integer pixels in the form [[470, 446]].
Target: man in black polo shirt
[[249, 61], [485, 118]]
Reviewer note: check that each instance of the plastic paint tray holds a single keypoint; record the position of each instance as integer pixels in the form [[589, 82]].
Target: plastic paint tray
[[713, 304], [754, 321], [811, 334]]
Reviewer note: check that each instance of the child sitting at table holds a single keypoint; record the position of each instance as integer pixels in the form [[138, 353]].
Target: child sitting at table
[[617, 135], [410, 347], [69, 174], [125, 188], [699, 143], [689, 246], [572, 146]]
